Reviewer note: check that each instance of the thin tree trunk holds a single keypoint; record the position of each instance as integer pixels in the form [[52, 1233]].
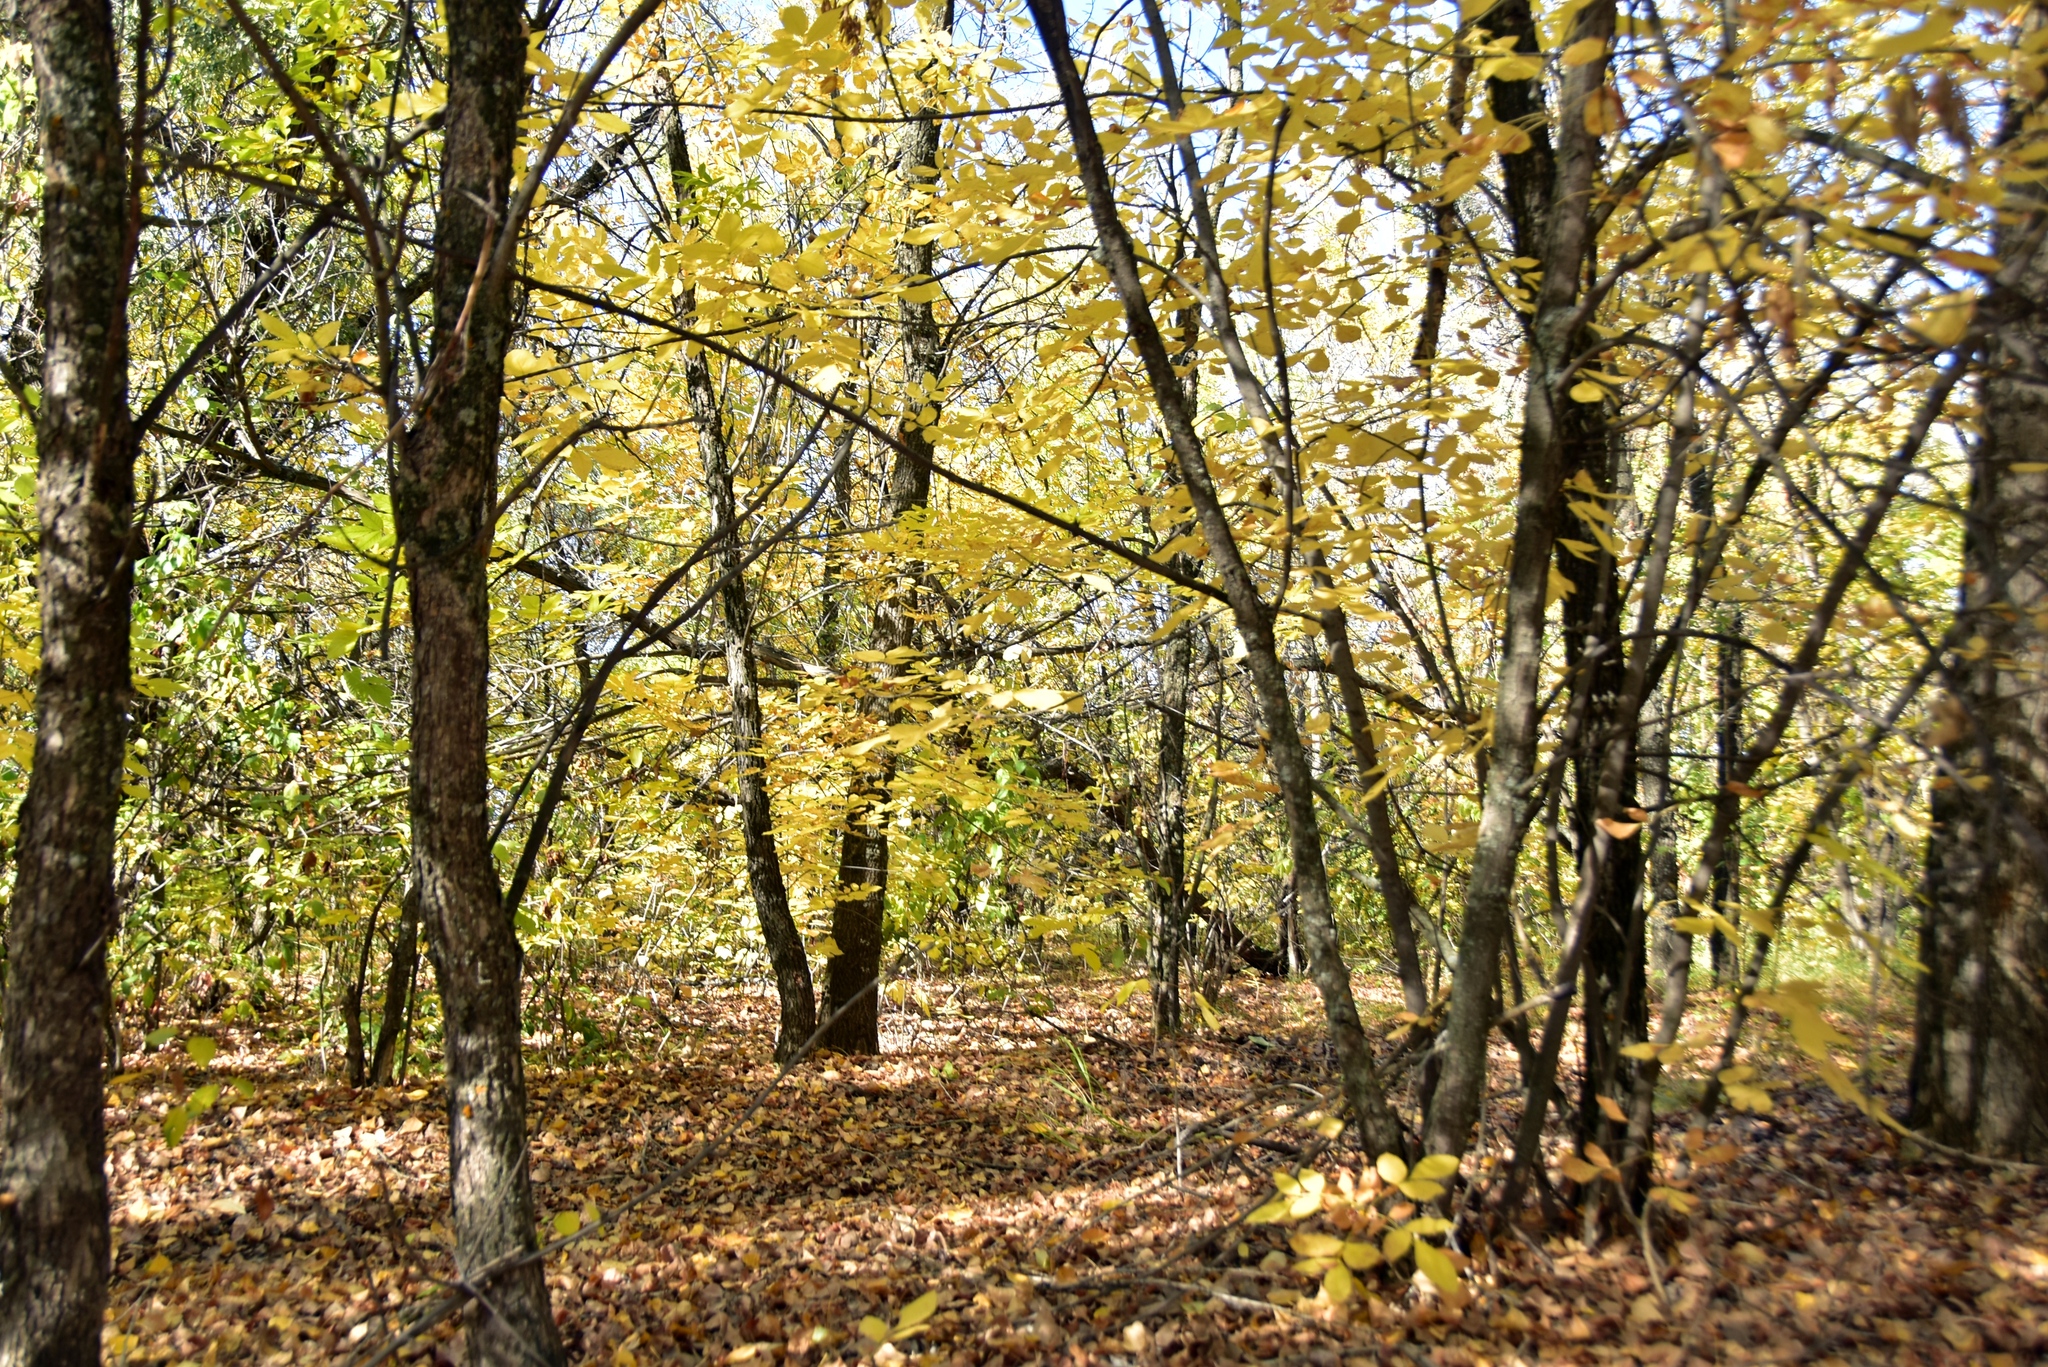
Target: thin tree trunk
[[1536, 181], [354, 1062], [405, 953], [1396, 894], [1721, 951], [444, 490], [53, 1180], [859, 910], [798, 1016], [1380, 1128], [1169, 822]]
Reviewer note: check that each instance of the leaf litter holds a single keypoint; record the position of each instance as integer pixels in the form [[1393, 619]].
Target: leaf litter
[[1044, 1187]]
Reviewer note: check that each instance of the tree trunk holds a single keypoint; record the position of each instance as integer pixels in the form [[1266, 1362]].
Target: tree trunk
[[443, 496], [1536, 180], [405, 954], [858, 911], [53, 1179], [1379, 1128], [798, 1017], [1980, 1078], [1169, 822]]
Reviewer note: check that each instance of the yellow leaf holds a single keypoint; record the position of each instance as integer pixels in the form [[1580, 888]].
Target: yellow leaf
[[1338, 1284], [606, 122], [159, 1266], [1270, 1213], [1935, 31], [1436, 1265], [1397, 1242], [1946, 319], [1611, 1108], [1310, 1245], [1435, 1168], [872, 1327], [1577, 1168], [1585, 391], [1680, 1201], [1584, 51], [1420, 1191], [1391, 1169], [1510, 68], [567, 1223], [917, 1312], [1360, 1256]]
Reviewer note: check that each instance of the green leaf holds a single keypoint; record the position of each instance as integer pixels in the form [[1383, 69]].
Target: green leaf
[[202, 1100], [201, 1050], [156, 1039], [176, 1122], [365, 688]]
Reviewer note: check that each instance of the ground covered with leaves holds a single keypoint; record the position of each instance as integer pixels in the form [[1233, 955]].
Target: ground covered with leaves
[[1019, 1183]]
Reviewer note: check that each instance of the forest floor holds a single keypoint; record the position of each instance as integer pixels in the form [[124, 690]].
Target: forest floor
[[1066, 1191]]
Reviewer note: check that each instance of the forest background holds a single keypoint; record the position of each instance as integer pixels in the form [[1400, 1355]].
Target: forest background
[[1528, 517]]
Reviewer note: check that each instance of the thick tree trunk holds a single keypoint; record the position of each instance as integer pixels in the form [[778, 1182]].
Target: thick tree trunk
[[443, 497], [857, 914], [405, 955], [1980, 1077], [53, 1180], [1612, 995]]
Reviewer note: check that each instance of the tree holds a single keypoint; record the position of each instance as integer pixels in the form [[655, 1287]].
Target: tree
[[63, 915], [1978, 1077], [444, 496]]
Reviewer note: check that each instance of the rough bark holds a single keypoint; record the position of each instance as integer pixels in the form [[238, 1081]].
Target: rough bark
[[859, 910], [444, 489], [798, 1016], [53, 1182], [1380, 1129], [1169, 823], [1980, 1077], [1396, 894], [1559, 201], [405, 956]]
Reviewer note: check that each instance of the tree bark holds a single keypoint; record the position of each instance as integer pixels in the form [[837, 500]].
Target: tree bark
[[860, 908], [405, 956], [53, 1180], [1979, 1077], [444, 490], [1169, 823], [1380, 1129], [798, 1015], [1553, 191]]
